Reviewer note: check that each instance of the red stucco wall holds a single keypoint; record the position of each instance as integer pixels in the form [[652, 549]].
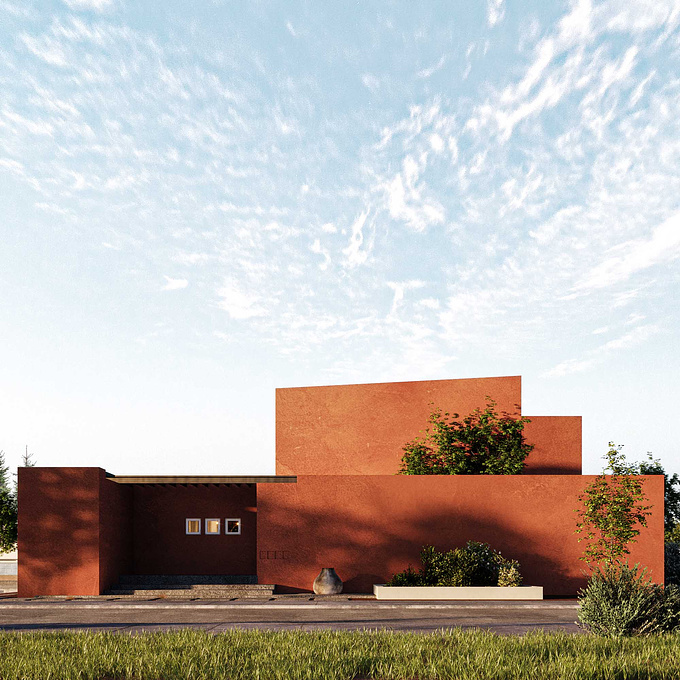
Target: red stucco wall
[[58, 531], [557, 445], [161, 545], [361, 429], [371, 527], [115, 531]]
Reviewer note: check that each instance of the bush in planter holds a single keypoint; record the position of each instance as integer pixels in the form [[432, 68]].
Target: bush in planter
[[622, 601], [475, 564]]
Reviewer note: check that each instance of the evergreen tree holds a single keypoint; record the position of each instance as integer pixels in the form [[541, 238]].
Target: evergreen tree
[[8, 509]]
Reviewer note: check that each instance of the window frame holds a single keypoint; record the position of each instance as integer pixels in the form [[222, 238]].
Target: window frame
[[226, 526], [186, 526], [219, 526]]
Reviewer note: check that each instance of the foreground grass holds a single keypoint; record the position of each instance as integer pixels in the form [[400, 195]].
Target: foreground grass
[[332, 655]]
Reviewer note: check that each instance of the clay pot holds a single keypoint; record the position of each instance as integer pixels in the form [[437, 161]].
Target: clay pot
[[327, 582]]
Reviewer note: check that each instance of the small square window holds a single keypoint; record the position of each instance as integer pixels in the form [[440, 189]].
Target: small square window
[[212, 526], [233, 525], [193, 526]]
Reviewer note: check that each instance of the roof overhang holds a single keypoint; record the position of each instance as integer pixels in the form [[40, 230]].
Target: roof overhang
[[202, 480]]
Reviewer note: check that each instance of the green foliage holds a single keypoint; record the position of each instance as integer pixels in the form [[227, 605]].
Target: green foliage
[[673, 536], [4, 472], [613, 510], [335, 655], [509, 574], [671, 563], [8, 521], [483, 443], [671, 495], [408, 577], [8, 510], [621, 601], [617, 465], [475, 564]]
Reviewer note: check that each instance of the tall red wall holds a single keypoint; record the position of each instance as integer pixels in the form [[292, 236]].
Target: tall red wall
[[361, 429], [370, 527], [557, 445], [161, 545], [58, 531], [115, 531]]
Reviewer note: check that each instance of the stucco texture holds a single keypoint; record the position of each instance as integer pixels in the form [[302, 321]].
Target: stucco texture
[[362, 429], [59, 531], [370, 527]]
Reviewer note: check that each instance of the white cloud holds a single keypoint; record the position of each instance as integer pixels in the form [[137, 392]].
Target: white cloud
[[96, 5], [399, 287], [354, 252], [635, 337], [429, 303], [370, 81], [317, 248], [404, 198], [437, 143], [598, 355], [636, 255], [237, 303], [568, 367], [427, 72], [495, 11], [174, 284]]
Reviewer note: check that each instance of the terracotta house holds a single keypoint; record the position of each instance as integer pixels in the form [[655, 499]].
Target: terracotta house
[[336, 500]]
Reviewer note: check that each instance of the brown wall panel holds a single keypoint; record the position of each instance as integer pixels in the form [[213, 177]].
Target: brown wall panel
[[557, 445], [161, 545], [361, 429], [115, 531], [58, 531], [370, 527]]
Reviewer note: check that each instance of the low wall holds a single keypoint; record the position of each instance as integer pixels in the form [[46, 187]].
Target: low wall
[[370, 527]]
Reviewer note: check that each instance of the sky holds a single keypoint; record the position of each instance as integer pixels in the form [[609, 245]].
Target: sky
[[202, 202]]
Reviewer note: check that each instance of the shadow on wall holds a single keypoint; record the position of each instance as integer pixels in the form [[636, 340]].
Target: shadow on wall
[[364, 552], [58, 531]]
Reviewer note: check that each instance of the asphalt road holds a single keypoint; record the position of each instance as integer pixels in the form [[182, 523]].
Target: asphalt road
[[135, 617]]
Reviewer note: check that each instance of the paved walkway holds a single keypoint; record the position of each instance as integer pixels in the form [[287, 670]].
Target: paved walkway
[[285, 614]]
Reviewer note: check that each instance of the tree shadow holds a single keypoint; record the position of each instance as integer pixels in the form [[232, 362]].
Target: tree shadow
[[366, 549]]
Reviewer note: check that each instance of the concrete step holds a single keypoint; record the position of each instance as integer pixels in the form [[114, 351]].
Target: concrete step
[[172, 580], [202, 590]]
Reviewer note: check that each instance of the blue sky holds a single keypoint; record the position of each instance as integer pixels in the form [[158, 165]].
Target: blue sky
[[204, 201]]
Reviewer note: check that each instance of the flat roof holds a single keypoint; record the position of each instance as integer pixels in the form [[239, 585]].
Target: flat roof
[[203, 479]]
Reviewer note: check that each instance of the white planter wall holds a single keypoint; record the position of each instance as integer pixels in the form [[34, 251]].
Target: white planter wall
[[383, 592]]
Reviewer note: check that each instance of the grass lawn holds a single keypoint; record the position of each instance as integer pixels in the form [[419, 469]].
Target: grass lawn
[[338, 655]]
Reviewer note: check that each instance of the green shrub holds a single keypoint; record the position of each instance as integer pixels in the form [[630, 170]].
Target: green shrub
[[408, 577], [672, 563], [509, 574], [622, 601], [475, 564], [482, 443]]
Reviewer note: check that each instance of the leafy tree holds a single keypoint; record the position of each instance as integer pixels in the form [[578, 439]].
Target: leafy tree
[[613, 511], [483, 443], [4, 472], [671, 495], [8, 509], [652, 466]]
